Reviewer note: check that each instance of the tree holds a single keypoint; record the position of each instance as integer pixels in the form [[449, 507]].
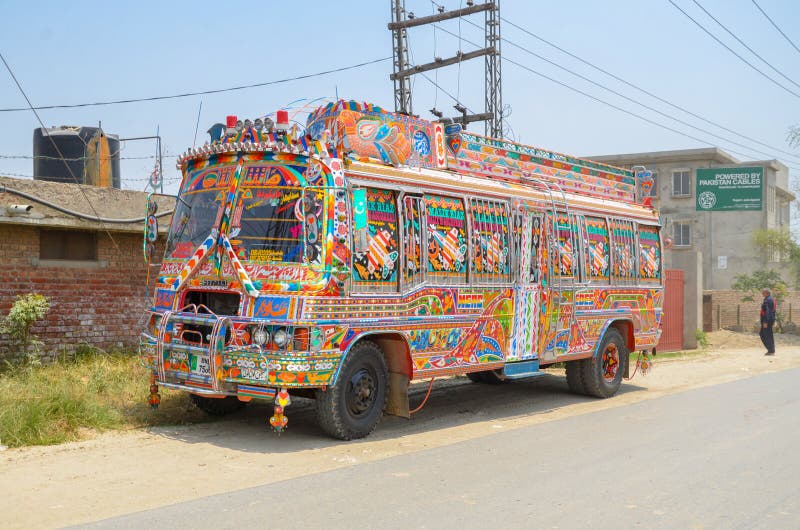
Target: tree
[[752, 284], [780, 242]]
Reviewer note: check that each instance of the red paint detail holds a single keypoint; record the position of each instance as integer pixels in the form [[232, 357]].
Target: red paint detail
[[230, 121]]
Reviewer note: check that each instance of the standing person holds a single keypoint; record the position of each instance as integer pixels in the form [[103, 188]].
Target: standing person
[[767, 321]]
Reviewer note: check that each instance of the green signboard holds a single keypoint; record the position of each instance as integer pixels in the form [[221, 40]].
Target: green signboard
[[729, 188]]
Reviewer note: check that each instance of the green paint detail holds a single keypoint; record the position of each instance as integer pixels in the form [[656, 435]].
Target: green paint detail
[[360, 208]]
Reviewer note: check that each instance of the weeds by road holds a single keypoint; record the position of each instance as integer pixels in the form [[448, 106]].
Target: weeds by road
[[66, 401]]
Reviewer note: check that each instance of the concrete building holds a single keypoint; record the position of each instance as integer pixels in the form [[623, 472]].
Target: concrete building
[[93, 272], [712, 203]]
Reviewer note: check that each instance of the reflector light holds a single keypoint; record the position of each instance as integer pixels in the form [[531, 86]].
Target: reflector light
[[283, 120]]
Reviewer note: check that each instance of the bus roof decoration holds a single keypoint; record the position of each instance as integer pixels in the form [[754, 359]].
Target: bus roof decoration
[[644, 185], [365, 132], [368, 133]]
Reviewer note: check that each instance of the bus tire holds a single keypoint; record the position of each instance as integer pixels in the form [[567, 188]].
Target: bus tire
[[575, 376], [217, 406], [602, 374], [352, 407], [489, 377]]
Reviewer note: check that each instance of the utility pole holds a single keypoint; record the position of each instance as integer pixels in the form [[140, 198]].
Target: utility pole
[[402, 83], [402, 20]]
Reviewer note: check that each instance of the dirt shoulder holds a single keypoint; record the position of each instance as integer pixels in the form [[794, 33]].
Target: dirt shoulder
[[126, 472]]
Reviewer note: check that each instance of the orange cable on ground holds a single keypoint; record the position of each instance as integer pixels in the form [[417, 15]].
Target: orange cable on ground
[[427, 395]]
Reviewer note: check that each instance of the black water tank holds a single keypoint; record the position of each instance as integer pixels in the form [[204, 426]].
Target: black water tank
[[91, 155]]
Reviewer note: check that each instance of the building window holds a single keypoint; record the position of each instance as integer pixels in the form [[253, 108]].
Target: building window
[[71, 245], [682, 234], [681, 183]]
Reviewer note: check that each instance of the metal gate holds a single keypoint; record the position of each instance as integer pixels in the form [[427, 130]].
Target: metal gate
[[672, 318]]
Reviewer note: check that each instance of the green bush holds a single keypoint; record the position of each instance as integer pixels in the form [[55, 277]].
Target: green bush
[[702, 338], [26, 311]]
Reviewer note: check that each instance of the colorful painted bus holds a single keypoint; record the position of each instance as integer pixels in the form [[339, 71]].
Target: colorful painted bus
[[374, 249]]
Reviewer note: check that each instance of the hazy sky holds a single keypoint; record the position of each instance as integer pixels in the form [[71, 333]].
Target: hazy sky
[[86, 51]]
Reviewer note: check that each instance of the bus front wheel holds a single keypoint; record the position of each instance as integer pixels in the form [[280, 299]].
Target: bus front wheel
[[353, 406]]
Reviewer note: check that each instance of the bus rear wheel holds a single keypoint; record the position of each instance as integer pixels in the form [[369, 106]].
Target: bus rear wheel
[[353, 406], [602, 374], [217, 406], [575, 376]]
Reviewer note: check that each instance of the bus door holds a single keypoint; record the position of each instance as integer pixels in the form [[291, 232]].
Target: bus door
[[529, 251], [414, 244], [559, 295]]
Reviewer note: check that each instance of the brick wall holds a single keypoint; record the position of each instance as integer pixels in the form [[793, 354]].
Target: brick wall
[[99, 306], [727, 310]]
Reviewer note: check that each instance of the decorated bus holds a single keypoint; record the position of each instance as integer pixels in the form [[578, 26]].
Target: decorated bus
[[370, 250]]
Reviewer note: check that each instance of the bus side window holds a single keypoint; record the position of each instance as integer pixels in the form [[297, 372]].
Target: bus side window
[[446, 240], [624, 251], [375, 264], [649, 253], [563, 254], [491, 251], [596, 250]]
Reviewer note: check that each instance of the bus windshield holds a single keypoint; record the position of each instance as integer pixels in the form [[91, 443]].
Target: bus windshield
[[271, 226], [194, 217]]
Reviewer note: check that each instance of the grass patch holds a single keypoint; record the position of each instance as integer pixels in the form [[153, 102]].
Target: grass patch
[[61, 402], [681, 354]]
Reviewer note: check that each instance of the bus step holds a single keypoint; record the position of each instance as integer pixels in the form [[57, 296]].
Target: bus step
[[522, 369]]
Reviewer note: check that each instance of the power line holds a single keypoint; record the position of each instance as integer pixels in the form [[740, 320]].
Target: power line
[[631, 113], [199, 93], [745, 61], [46, 177], [644, 91], [682, 122], [740, 41], [79, 158], [648, 107], [776, 26]]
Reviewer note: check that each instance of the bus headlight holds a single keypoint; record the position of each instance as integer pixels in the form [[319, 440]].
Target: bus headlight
[[260, 336], [281, 338]]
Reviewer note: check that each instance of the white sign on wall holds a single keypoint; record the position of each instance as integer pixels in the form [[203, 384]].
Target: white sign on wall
[[722, 262]]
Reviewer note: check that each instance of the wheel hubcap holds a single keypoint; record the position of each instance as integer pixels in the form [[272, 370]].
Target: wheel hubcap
[[610, 362], [361, 393]]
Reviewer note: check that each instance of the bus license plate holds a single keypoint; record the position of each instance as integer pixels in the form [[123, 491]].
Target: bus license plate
[[201, 365]]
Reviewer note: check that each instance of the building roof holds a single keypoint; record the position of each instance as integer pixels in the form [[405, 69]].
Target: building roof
[[56, 204], [705, 154], [714, 154]]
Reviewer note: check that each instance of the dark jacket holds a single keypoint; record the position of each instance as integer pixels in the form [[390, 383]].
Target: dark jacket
[[768, 310]]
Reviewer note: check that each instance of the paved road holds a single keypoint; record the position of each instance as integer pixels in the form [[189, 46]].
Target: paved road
[[724, 456]]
